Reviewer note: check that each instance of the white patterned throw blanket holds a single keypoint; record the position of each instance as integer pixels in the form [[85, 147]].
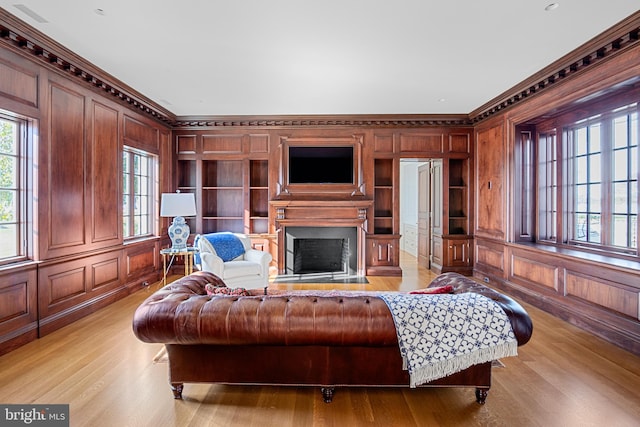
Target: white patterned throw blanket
[[443, 334]]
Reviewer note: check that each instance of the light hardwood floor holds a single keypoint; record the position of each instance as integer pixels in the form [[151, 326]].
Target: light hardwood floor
[[562, 377]]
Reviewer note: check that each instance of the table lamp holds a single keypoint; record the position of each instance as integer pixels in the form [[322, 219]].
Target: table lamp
[[178, 205]]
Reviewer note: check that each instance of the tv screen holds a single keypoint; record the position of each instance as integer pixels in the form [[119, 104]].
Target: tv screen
[[321, 165]]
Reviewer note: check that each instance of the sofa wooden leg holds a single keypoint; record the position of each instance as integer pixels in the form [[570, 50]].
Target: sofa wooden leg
[[176, 388], [481, 394], [327, 393]]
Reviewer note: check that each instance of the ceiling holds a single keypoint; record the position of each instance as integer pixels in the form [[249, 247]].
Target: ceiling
[[282, 57]]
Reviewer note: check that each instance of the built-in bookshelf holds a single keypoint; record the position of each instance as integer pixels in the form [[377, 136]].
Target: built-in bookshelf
[[458, 196], [259, 196], [383, 196], [222, 196], [226, 199]]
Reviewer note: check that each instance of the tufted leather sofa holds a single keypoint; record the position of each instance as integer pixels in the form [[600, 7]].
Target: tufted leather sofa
[[320, 338]]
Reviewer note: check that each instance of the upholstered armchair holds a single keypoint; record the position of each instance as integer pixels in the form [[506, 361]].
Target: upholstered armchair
[[231, 257]]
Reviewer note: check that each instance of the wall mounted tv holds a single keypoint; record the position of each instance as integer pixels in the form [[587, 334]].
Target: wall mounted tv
[[321, 165]]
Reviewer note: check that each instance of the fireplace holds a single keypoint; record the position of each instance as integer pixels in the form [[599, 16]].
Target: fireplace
[[321, 250], [344, 221]]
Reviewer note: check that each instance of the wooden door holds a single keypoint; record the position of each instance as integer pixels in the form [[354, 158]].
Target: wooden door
[[424, 215], [436, 209]]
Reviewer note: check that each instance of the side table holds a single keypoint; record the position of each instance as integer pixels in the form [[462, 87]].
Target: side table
[[187, 253]]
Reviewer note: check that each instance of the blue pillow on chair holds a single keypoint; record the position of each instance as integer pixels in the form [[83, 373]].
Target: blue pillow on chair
[[227, 245]]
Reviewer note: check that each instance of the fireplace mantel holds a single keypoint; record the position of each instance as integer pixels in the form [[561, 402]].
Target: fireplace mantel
[[321, 213]]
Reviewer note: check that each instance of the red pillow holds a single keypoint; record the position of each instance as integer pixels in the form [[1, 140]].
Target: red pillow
[[446, 289], [223, 290]]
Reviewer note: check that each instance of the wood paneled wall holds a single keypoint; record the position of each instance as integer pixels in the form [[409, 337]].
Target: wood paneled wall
[[597, 292], [79, 261]]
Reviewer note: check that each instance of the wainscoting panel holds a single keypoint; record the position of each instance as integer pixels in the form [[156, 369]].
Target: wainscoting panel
[[609, 295], [105, 273], [533, 272], [18, 308], [601, 298], [72, 289], [490, 256], [65, 285], [142, 259]]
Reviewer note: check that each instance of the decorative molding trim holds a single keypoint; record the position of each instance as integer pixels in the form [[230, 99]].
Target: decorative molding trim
[[611, 42], [425, 120], [17, 35], [20, 36]]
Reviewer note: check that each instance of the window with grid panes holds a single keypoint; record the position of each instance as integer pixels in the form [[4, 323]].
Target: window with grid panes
[[137, 193]]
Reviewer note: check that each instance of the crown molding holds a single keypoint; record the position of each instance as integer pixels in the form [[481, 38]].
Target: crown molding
[[22, 38], [609, 43], [380, 120], [26, 40]]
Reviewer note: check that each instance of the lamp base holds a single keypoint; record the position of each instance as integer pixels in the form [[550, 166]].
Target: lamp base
[[179, 233]]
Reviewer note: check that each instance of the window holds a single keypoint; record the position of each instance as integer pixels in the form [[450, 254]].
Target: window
[[587, 180], [12, 189], [138, 207], [547, 186]]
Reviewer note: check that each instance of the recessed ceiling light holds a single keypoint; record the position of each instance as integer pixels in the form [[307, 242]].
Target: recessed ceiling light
[[441, 100], [552, 6]]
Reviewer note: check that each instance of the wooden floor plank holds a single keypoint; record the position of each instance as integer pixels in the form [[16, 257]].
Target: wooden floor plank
[[563, 377]]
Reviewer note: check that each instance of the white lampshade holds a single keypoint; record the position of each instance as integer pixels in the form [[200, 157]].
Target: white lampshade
[[177, 204]]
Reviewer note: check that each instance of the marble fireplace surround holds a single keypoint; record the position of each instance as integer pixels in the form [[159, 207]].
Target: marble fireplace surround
[[321, 213]]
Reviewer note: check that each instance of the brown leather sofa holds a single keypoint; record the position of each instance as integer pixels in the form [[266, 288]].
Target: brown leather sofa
[[329, 339]]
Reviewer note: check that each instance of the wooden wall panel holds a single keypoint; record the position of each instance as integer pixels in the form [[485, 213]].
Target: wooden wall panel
[[608, 295], [14, 301], [532, 272], [141, 260], [383, 143], [66, 181], [140, 135], [490, 179], [258, 143], [18, 84], [428, 143], [106, 215], [460, 143], [105, 273], [490, 256], [215, 144], [64, 285], [71, 289], [186, 144], [18, 308]]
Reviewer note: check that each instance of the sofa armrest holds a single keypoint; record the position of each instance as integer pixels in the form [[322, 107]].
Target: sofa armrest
[[519, 318]]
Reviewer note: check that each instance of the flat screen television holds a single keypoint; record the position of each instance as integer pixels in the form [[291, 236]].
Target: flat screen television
[[321, 165]]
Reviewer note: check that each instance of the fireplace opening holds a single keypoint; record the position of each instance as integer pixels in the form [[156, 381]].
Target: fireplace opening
[[314, 252], [320, 256]]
